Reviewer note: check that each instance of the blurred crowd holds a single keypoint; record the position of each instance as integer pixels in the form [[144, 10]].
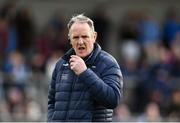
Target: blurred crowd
[[148, 54]]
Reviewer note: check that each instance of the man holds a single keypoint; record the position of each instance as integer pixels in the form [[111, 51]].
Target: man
[[87, 82]]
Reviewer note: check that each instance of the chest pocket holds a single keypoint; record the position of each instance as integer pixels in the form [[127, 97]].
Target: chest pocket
[[95, 70], [65, 75]]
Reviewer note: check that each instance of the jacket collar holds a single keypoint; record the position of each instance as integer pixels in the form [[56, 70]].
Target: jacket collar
[[90, 59]]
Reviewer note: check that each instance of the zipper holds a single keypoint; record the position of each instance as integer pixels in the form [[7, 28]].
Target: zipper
[[69, 102]]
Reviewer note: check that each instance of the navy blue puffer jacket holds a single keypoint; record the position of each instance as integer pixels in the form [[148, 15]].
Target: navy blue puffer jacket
[[89, 97]]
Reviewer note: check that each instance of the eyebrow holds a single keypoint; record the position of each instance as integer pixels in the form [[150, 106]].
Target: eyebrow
[[83, 36]]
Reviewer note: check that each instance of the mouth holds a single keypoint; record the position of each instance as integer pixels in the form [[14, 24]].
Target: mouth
[[81, 48]]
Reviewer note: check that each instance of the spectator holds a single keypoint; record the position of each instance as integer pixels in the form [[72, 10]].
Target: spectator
[[102, 24], [171, 26]]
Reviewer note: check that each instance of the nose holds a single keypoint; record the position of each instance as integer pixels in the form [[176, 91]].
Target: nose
[[80, 41]]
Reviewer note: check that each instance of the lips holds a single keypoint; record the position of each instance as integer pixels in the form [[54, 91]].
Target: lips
[[81, 48]]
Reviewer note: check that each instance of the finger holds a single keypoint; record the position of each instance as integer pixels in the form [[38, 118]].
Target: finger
[[72, 65], [75, 56], [72, 60]]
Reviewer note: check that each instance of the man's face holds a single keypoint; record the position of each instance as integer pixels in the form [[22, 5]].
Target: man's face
[[82, 39]]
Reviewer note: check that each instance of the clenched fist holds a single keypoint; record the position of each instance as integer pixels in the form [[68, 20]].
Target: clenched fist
[[77, 64]]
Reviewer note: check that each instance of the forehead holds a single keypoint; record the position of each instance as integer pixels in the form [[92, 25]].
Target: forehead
[[79, 26]]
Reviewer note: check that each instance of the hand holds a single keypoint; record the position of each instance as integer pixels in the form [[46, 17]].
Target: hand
[[77, 64]]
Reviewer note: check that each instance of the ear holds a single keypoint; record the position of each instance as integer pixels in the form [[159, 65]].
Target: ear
[[95, 36], [69, 40]]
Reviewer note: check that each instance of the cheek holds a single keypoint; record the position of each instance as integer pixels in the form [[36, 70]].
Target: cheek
[[90, 46], [73, 44]]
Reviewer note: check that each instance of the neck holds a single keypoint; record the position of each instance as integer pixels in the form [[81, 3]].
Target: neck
[[88, 56]]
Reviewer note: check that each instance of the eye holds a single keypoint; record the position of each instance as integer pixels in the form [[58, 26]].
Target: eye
[[75, 37], [85, 36]]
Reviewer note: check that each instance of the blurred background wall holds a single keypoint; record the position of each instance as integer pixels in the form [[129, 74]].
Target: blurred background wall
[[43, 10], [144, 36]]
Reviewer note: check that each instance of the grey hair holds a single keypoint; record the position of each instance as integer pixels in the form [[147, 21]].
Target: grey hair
[[82, 19]]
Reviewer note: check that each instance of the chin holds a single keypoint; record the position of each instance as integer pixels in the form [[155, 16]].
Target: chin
[[82, 55]]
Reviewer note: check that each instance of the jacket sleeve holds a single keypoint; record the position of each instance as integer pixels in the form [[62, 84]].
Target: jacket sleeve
[[51, 96], [108, 89]]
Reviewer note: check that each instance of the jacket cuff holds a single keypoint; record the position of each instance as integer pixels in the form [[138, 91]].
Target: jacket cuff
[[84, 75], [90, 78]]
